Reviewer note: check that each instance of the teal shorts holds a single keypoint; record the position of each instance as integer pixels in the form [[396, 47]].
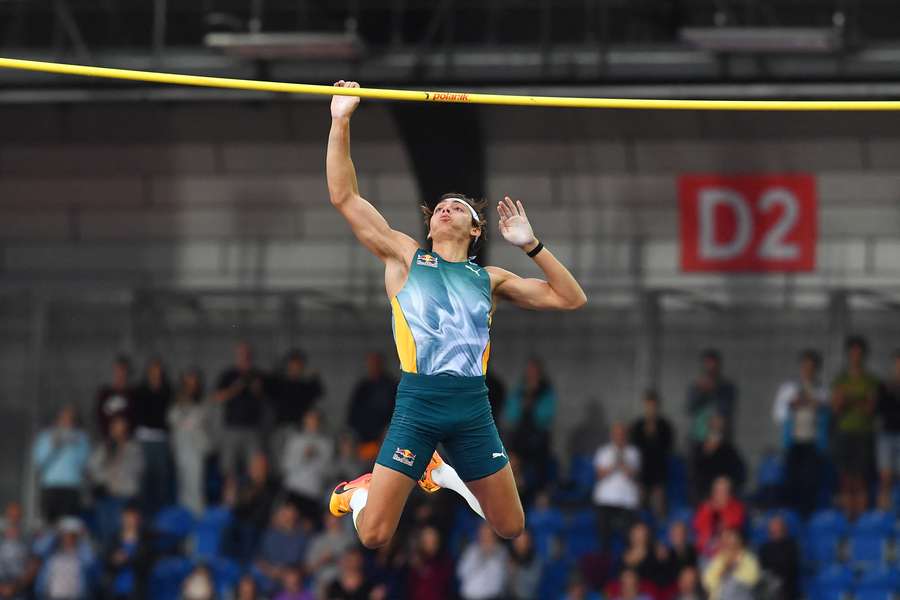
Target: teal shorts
[[450, 410]]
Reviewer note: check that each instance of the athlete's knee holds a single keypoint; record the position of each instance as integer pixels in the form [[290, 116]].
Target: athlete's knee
[[510, 527], [374, 537]]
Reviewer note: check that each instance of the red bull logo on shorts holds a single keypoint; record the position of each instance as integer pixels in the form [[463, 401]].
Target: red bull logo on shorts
[[404, 456]]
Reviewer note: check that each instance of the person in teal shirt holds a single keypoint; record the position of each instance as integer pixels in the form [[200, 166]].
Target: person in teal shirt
[[534, 398]]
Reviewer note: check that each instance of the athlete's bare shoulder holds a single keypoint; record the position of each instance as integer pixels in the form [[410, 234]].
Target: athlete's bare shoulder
[[498, 275]]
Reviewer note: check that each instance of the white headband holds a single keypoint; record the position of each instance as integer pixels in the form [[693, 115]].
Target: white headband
[[469, 206]]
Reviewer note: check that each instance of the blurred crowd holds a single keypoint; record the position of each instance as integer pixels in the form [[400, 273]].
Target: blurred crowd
[[173, 490]]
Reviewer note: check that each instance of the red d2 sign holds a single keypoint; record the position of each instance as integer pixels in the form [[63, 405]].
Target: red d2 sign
[[753, 223]]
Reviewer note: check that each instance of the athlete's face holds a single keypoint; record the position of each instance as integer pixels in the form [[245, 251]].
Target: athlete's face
[[452, 219]]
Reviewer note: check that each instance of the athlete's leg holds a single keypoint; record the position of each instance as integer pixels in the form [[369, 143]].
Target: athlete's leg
[[446, 476], [499, 498], [377, 512]]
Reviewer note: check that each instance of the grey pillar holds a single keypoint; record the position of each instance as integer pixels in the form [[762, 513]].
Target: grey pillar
[[839, 326], [649, 343], [35, 358]]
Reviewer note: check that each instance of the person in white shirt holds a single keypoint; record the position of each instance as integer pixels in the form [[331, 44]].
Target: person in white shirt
[[306, 464], [801, 411], [616, 492], [483, 567]]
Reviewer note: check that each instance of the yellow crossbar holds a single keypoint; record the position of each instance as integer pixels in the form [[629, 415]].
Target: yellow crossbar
[[452, 97]]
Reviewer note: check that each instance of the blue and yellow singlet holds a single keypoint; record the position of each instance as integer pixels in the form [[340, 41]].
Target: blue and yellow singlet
[[442, 317]]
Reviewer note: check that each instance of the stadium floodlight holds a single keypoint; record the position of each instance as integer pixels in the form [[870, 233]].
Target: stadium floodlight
[[764, 39], [307, 45]]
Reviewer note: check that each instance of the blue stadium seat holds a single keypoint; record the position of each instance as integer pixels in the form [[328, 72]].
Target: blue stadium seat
[[172, 525], [677, 482], [544, 525], [770, 471], [875, 522], [879, 578], [828, 521], [167, 576], [580, 481], [226, 574], [465, 524], [685, 515], [834, 582], [868, 549], [208, 532], [579, 534], [554, 578], [821, 548], [874, 594]]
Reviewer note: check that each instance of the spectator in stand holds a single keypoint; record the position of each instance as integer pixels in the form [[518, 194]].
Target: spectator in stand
[[889, 436], [525, 568], [711, 394], [689, 587], [240, 390], [483, 567], [305, 465], [116, 467], [152, 399], [653, 435], [199, 585], [371, 406], [283, 545], [127, 560], [431, 570], [716, 457], [533, 401], [325, 551], [639, 555], [292, 393], [189, 421], [779, 556], [252, 502], [676, 555], [733, 572], [292, 586], [60, 456], [629, 587], [18, 567], [247, 589], [346, 466], [721, 512], [351, 583], [528, 420], [616, 492], [115, 398], [854, 395], [68, 573], [578, 590], [801, 410]]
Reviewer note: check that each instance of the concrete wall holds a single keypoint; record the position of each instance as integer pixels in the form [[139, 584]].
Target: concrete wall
[[97, 199]]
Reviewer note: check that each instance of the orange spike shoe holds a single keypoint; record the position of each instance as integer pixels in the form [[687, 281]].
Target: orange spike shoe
[[339, 505], [426, 482]]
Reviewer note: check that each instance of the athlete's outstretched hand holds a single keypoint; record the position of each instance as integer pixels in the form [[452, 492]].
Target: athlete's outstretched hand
[[514, 225], [343, 106]]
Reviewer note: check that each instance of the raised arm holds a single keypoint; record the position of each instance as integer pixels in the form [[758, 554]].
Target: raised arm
[[560, 291], [367, 224]]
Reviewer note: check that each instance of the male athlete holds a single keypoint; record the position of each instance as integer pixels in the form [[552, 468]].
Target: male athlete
[[442, 304]]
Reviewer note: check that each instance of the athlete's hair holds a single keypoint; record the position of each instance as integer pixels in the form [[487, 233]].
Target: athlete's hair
[[479, 205]]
